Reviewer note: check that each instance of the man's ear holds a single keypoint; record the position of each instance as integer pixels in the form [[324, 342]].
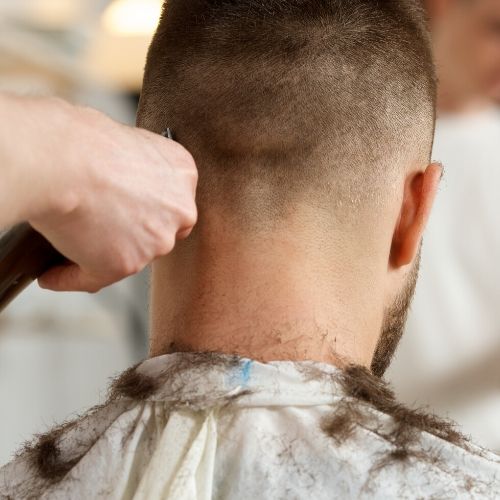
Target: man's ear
[[419, 193]]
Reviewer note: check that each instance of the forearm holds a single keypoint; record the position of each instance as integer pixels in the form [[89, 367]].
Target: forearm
[[8, 184], [31, 139]]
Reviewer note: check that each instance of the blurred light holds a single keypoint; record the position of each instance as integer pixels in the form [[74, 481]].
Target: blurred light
[[132, 17], [54, 14], [117, 52]]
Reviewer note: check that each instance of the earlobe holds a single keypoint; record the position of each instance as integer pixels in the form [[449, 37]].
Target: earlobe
[[419, 194]]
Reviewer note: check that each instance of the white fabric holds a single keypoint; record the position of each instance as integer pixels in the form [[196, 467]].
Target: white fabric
[[182, 466], [454, 323], [228, 428]]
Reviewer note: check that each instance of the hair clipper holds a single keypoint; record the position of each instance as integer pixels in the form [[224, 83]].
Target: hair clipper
[[24, 256]]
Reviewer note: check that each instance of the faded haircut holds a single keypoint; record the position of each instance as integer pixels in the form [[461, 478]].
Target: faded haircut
[[287, 100]]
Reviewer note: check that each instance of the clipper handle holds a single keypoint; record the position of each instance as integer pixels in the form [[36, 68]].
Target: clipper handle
[[24, 256]]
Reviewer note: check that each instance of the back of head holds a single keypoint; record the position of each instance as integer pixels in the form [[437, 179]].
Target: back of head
[[279, 101]]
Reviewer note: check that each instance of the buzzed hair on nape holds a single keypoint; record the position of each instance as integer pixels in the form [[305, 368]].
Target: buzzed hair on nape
[[281, 100]]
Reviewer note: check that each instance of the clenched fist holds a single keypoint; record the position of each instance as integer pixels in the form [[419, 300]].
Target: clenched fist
[[110, 198]]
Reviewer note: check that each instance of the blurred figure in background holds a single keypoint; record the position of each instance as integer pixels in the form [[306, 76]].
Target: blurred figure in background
[[467, 50], [450, 357]]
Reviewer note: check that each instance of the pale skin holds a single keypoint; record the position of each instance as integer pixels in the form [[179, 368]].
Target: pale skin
[[295, 291], [466, 38], [110, 198]]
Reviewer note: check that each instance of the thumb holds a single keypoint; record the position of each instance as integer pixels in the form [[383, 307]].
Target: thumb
[[69, 278]]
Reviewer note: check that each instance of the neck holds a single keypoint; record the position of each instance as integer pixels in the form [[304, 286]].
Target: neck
[[274, 297]]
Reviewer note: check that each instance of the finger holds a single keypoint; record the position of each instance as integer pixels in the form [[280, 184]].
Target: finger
[[184, 233], [69, 278]]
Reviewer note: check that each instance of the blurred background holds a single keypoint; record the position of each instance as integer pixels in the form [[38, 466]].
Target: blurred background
[[58, 352], [449, 357]]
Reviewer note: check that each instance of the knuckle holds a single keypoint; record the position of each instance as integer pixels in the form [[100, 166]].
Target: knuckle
[[165, 245], [188, 162], [192, 215], [186, 216], [67, 202], [125, 265], [194, 178], [132, 267], [192, 208], [194, 175], [193, 169], [184, 233]]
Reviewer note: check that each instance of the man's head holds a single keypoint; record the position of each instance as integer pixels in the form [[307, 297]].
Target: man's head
[[296, 106], [467, 46]]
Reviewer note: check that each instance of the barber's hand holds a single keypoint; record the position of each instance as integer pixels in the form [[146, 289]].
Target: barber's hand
[[124, 196]]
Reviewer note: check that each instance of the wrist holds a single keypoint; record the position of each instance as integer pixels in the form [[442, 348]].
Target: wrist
[[34, 152], [12, 161]]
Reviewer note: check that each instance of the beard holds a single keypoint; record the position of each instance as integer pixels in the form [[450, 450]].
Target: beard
[[394, 322]]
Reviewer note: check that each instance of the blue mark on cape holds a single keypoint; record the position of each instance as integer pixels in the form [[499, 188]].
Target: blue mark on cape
[[245, 371], [240, 375]]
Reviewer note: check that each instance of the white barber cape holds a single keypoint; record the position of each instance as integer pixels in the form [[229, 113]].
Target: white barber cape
[[205, 426]]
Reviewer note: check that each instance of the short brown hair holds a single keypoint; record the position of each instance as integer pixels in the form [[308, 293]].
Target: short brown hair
[[318, 98]]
